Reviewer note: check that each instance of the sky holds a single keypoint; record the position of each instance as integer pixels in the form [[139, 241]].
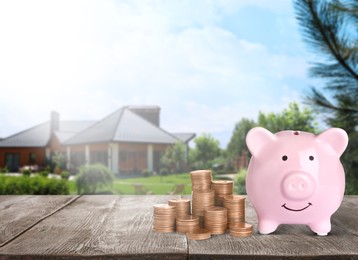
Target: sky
[[207, 64]]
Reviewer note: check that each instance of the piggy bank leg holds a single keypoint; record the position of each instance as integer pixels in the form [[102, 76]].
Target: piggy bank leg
[[321, 228], [267, 226]]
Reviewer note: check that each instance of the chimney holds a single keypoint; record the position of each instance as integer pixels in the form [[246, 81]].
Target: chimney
[[55, 122], [150, 113]]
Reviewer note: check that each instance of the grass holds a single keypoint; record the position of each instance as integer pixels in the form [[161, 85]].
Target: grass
[[153, 184]]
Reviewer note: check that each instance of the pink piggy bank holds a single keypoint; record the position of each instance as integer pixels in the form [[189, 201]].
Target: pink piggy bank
[[295, 177]]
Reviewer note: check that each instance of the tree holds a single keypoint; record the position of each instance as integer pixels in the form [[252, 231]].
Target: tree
[[205, 151], [237, 142], [330, 29], [94, 176], [291, 118], [174, 157]]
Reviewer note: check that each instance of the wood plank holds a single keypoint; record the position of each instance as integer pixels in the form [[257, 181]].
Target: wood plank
[[18, 213], [100, 227], [288, 240], [108, 227]]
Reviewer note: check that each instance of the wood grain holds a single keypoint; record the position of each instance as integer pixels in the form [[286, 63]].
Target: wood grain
[[18, 213], [120, 227], [101, 227], [296, 241]]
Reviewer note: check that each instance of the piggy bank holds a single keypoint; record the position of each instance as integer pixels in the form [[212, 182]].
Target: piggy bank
[[295, 177]]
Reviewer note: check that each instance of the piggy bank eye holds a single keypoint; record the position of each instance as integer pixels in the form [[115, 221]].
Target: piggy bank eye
[[284, 158], [311, 158]]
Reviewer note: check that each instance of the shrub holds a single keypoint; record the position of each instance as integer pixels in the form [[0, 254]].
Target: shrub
[[240, 179], [55, 186], [92, 177], [57, 170], [47, 168], [4, 170], [26, 172], [44, 173], [65, 175], [37, 185], [164, 172], [146, 173]]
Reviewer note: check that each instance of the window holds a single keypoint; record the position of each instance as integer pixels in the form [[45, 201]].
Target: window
[[99, 157], [77, 159], [32, 158]]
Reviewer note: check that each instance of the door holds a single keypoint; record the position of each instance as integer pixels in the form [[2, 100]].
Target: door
[[12, 161]]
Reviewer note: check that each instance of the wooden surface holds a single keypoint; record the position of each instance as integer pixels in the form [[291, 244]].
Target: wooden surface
[[120, 227]]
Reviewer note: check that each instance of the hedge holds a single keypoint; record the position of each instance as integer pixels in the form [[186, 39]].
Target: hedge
[[36, 185]]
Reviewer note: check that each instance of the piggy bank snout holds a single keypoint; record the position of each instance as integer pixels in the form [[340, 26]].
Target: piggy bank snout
[[298, 186]]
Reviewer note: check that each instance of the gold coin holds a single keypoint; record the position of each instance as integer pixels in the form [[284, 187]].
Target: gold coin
[[241, 234], [200, 234], [164, 218], [188, 224], [182, 207], [238, 227], [201, 180]]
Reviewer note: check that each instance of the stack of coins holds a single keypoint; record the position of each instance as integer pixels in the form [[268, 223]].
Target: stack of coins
[[164, 218], [201, 234], [235, 205], [202, 195], [215, 220], [200, 180], [182, 207], [222, 188], [201, 201], [206, 219], [189, 224], [241, 230]]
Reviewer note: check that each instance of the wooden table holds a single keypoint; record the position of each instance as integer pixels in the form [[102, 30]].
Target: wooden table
[[120, 227]]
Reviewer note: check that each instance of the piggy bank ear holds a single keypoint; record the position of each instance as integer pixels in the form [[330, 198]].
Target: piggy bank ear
[[337, 138], [257, 137]]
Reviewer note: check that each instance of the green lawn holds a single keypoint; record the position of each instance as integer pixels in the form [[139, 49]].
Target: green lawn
[[151, 185], [154, 184]]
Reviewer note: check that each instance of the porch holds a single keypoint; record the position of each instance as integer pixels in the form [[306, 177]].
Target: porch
[[123, 159]]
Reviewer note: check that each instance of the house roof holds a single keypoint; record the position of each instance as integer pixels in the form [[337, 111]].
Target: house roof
[[39, 136], [70, 128], [184, 137], [133, 107], [123, 126]]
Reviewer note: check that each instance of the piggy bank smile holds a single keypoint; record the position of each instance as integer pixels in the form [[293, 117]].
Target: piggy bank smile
[[290, 209]]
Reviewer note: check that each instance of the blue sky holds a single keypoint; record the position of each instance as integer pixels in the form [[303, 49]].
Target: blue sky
[[206, 63]]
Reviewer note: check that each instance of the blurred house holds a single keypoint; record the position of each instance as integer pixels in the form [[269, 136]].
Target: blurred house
[[127, 141]]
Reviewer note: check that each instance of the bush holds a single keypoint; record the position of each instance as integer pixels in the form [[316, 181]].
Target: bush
[[147, 173], [44, 173], [57, 170], [36, 185], [163, 172], [4, 170], [240, 179], [92, 177], [65, 175], [56, 186], [26, 172]]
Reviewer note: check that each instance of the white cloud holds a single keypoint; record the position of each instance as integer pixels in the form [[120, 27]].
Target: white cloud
[[88, 58]]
